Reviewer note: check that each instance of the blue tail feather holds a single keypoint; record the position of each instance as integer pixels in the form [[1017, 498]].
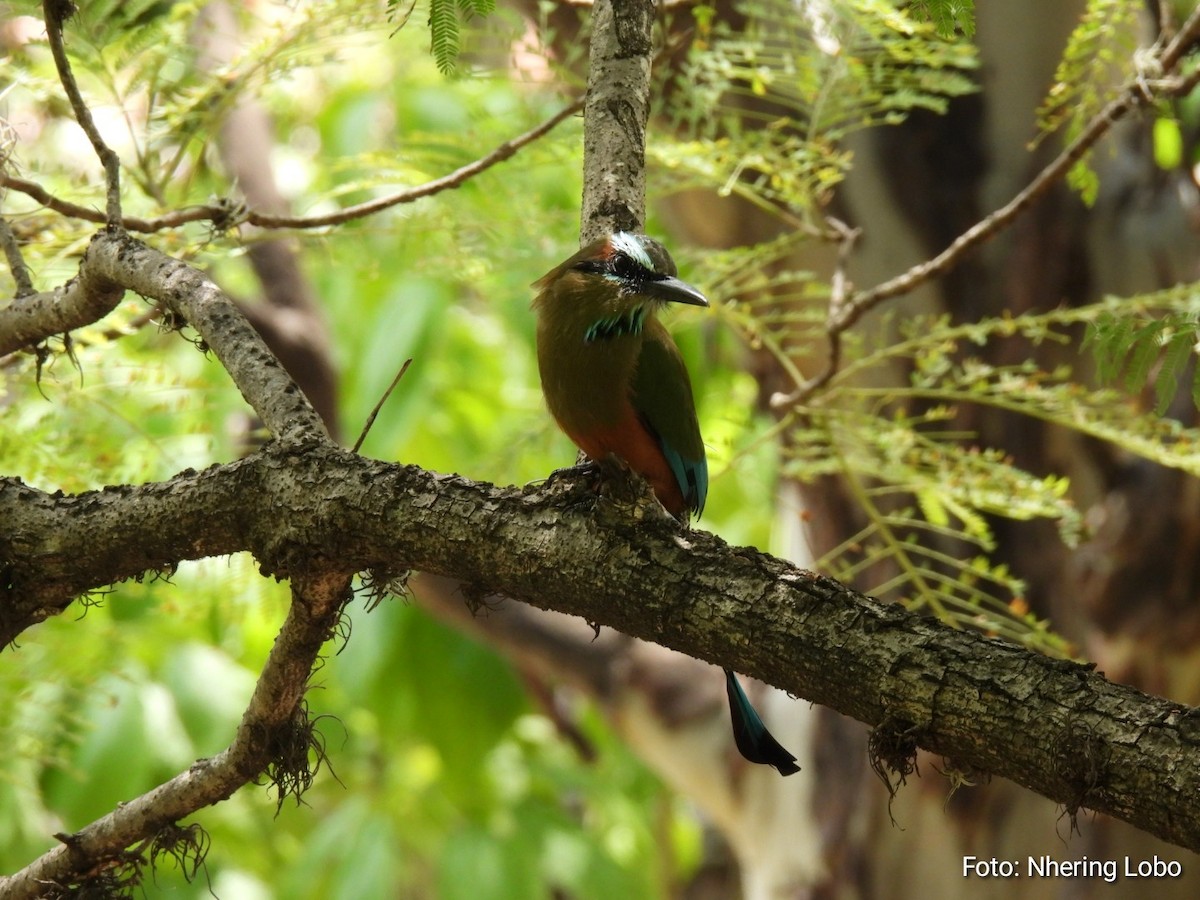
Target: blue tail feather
[[690, 474], [750, 734]]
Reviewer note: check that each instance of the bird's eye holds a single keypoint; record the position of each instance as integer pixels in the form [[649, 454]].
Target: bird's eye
[[630, 269]]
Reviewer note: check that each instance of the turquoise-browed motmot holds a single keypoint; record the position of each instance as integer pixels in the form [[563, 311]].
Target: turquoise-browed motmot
[[616, 384]]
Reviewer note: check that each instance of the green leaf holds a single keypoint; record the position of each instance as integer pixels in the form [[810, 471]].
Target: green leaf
[[132, 739], [1144, 352], [1100, 51], [1180, 349], [474, 866], [210, 692], [466, 700], [443, 34]]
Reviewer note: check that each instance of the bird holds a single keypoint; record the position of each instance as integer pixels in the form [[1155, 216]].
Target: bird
[[616, 384]]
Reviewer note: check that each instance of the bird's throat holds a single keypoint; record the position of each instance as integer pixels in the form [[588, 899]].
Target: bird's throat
[[620, 325]]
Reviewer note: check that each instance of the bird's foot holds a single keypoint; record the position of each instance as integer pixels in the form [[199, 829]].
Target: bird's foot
[[580, 483], [620, 484], [588, 469], [610, 478]]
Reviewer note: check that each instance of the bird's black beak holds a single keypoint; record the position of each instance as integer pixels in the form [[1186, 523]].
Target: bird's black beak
[[672, 290]]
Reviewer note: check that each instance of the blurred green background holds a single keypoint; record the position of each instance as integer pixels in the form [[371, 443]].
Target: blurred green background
[[449, 783]]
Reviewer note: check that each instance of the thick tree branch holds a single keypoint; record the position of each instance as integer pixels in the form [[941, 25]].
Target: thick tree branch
[[31, 318], [115, 262], [1055, 727], [288, 314], [315, 514]]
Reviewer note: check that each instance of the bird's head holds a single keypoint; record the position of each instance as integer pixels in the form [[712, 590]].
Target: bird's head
[[612, 285]]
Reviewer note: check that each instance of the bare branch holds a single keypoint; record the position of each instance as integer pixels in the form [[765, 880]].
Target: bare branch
[[222, 215], [188, 292], [313, 513], [31, 318], [1183, 41], [228, 215], [12, 249], [455, 179], [840, 289], [288, 314], [56, 13], [1131, 96], [274, 712], [16, 263]]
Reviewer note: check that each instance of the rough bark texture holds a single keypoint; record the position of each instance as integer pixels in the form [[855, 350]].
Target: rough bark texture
[[289, 315], [1053, 726], [617, 108]]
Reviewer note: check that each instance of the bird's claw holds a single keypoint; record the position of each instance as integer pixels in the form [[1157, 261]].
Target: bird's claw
[[588, 469]]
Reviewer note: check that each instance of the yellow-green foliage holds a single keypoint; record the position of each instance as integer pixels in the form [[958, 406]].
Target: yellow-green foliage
[[764, 108], [449, 778], [1099, 55], [446, 19], [927, 490]]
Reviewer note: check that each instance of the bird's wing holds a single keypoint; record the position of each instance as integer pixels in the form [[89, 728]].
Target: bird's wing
[[662, 397]]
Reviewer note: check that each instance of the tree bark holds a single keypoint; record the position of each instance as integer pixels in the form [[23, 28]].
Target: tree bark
[[1054, 726]]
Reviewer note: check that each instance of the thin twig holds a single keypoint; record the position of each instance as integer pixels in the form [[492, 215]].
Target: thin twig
[[447, 182], [16, 263], [217, 212], [56, 12], [1182, 42], [378, 406], [845, 315], [841, 289], [988, 227], [12, 249], [995, 222], [1166, 19], [227, 215]]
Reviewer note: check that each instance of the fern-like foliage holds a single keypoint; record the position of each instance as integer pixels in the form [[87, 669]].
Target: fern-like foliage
[[947, 16], [764, 116], [139, 58], [928, 490], [446, 18], [1150, 340], [765, 105], [1099, 53]]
